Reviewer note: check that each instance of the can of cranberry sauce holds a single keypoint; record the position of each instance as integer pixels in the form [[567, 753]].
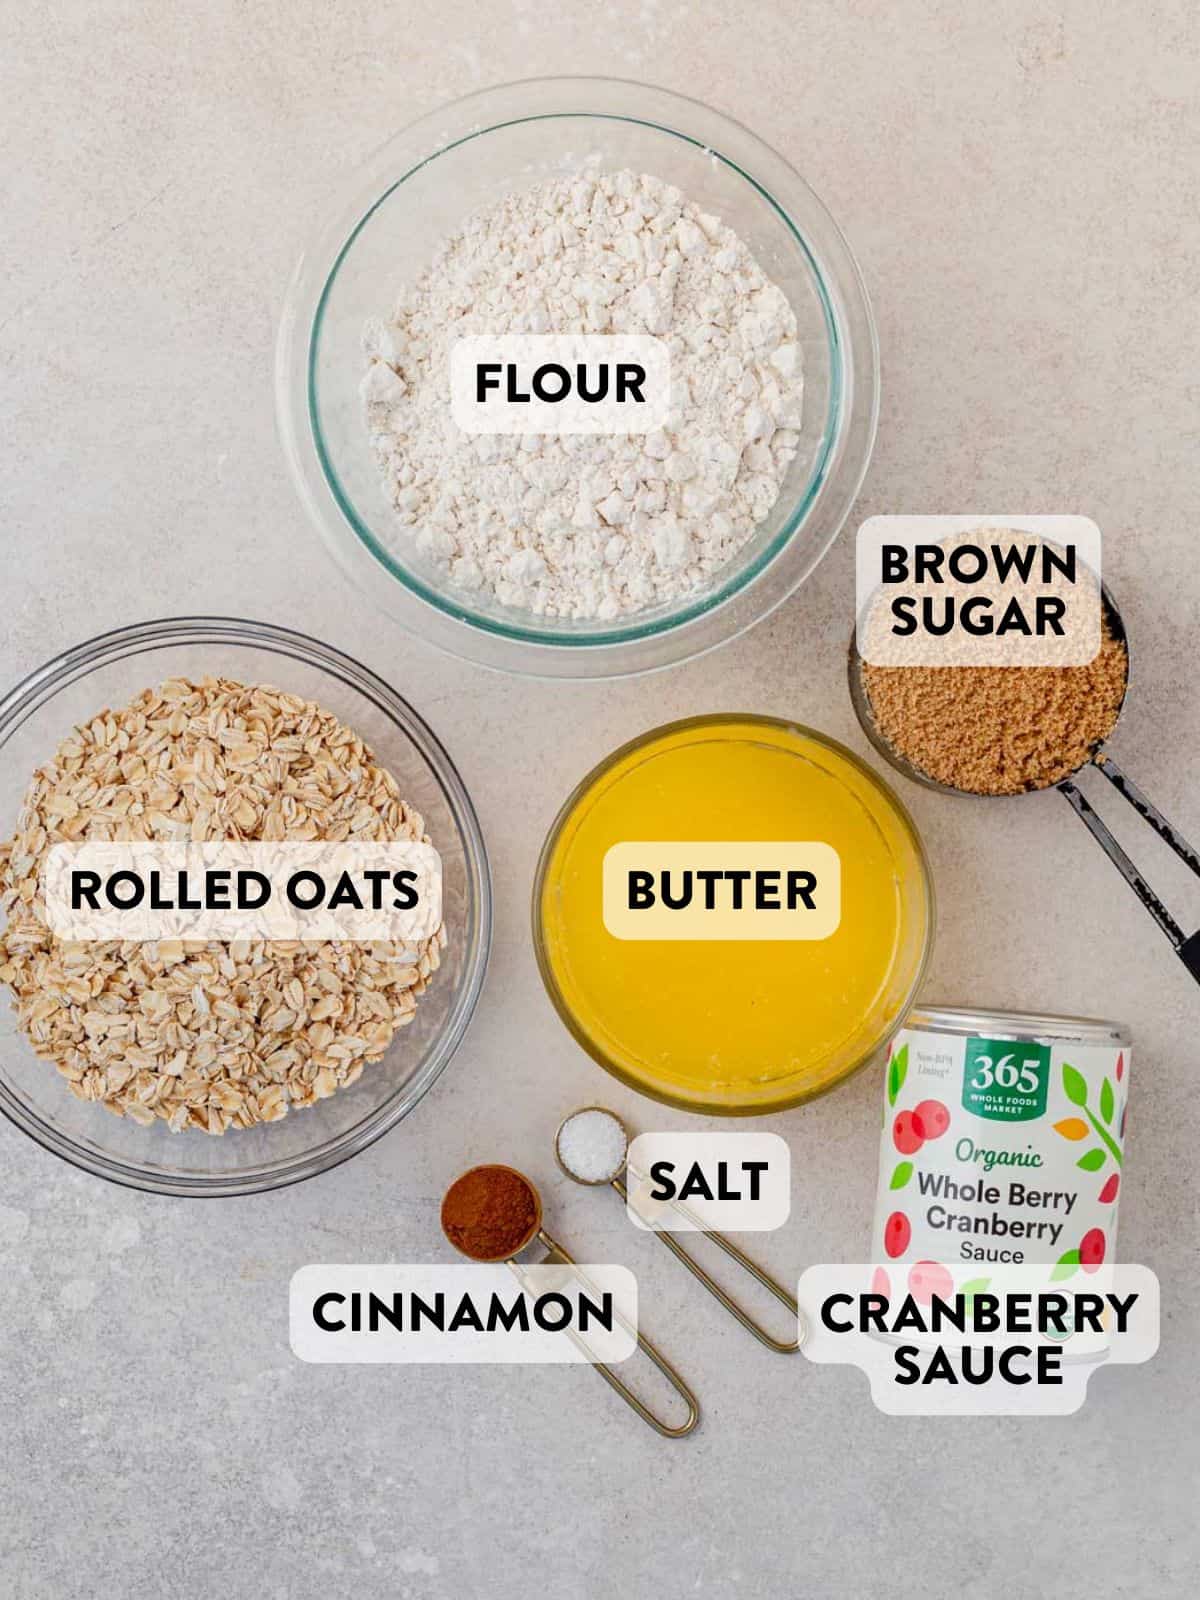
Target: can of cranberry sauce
[[1003, 1139]]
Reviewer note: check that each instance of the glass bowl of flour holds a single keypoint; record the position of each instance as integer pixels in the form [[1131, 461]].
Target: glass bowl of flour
[[579, 207]]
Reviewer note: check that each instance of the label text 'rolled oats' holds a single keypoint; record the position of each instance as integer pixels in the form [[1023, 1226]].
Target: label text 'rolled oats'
[[237, 889]]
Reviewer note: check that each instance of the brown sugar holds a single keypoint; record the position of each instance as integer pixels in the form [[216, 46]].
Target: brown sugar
[[998, 730]]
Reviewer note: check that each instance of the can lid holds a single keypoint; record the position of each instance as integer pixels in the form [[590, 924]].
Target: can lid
[[1018, 1025]]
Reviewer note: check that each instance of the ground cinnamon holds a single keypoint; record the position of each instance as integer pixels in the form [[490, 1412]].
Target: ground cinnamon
[[490, 1213]]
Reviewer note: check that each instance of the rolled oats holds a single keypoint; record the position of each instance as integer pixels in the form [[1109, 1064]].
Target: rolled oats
[[210, 1035]]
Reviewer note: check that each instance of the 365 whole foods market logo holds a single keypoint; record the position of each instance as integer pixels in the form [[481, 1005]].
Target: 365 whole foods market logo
[[1006, 1082]]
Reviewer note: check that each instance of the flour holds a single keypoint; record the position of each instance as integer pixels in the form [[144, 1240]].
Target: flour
[[590, 526]]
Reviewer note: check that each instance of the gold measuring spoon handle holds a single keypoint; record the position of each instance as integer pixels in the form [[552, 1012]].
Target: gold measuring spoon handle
[[783, 1347], [555, 1252]]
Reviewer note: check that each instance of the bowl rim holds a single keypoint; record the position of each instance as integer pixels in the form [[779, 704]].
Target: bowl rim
[[703, 1107], [37, 688], [645, 643]]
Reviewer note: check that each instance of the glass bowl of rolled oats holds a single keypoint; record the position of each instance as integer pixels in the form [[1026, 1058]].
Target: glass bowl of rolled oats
[[224, 1067]]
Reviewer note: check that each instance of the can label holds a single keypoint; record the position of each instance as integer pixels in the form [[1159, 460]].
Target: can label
[[1000, 1150]]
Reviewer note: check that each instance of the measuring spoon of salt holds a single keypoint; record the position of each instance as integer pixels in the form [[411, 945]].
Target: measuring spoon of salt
[[592, 1147]]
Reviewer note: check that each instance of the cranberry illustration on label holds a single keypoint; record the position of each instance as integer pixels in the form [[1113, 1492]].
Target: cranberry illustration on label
[[905, 1136], [881, 1283], [929, 1278], [897, 1232], [1091, 1249], [931, 1119], [1109, 1192]]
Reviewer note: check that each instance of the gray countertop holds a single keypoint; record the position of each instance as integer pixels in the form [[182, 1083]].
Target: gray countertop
[[1020, 183]]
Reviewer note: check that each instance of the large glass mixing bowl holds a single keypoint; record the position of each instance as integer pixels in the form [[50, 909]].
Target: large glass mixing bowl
[[733, 1026], [109, 671], [383, 231]]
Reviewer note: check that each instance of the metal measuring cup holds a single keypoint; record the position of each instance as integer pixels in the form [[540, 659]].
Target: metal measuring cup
[[616, 1180], [1186, 946], [555, 1256]]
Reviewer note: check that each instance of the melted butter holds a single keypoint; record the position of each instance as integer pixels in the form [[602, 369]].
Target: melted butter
[[736, 1025]]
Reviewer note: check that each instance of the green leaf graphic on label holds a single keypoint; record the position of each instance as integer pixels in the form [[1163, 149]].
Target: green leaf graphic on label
[[1106, 1101], [970, 1290], [1114, 1149], [1093, 1160], [902, 1174], [1067, 1266], [1074, 1086], [897, 1072]]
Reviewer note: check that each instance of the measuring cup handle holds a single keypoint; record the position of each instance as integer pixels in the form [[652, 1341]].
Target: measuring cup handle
[[555, 1250], [782, 1346], [1149, 812], [1186, 946], [1189, 954]]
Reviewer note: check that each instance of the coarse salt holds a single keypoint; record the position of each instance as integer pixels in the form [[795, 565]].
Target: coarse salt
[[592, 1145]]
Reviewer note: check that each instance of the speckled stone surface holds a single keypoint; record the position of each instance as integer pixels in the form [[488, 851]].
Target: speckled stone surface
[[1020, 182]]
